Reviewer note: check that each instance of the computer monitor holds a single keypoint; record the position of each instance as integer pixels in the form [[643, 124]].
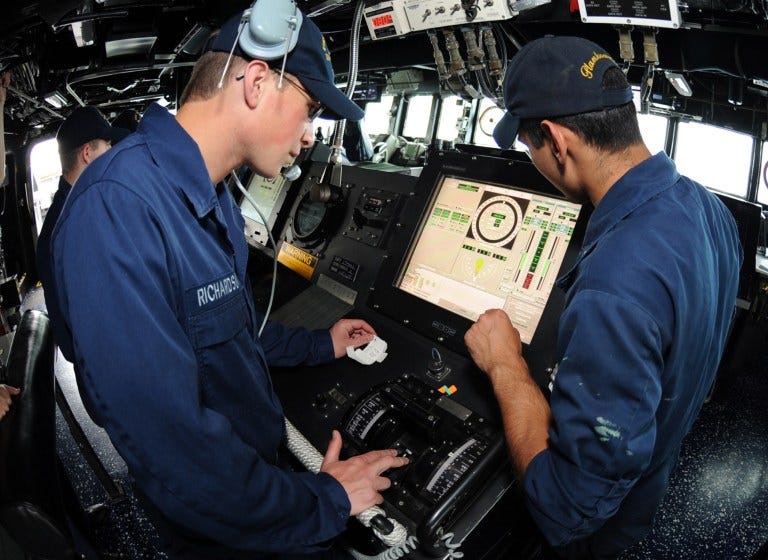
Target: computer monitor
[[480, 232], [483, 246]]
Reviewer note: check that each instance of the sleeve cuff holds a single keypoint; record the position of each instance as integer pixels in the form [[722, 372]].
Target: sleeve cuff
[[566, 502]]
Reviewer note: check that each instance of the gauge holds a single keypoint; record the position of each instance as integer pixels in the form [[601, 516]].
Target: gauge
[[308, 218], [455, 465], [497, 220], [374, 424], [364, 417], [314, 220]]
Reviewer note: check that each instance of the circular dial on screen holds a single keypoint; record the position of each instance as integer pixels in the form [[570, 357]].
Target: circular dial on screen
[[498, 220]]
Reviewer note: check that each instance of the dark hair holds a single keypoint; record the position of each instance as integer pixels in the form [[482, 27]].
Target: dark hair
[[611, 129], [203, 84], [69, 159]]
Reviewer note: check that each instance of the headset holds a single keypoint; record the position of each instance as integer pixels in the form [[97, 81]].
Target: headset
[[269, 30], [273, 29]]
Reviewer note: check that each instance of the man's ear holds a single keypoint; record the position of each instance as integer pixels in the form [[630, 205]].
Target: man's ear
[[557, 140], [85, 154], [255, 76]]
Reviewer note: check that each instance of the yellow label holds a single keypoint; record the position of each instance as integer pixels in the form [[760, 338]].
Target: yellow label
[[588, 67], [298, 260]]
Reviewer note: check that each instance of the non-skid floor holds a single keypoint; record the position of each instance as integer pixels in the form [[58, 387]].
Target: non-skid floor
[[716, 507]]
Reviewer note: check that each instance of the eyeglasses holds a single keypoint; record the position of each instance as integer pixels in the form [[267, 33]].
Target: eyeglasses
[[314, 110]]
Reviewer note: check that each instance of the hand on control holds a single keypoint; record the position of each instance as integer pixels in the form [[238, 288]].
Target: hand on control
[[361, 475]]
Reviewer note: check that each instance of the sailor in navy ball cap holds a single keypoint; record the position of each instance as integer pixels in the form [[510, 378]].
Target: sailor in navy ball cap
[[185, 392], [82, 137], [556, 76], [638, 341], [83, 125], [309, 61]]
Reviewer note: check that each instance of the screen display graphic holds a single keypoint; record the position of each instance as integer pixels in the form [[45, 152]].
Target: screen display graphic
[[484, 246]]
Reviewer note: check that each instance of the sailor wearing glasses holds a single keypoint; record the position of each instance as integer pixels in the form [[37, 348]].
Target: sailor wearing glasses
[[152, 302]]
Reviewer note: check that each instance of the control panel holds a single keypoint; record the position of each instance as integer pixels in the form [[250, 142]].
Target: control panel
[[373, 216], [391, 235], [452, 452], [394, 18]]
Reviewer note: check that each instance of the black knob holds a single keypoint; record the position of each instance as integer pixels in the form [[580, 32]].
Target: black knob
[[382, 524], [321, 401], [436, 367]]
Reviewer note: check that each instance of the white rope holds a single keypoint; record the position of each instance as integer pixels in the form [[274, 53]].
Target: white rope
[[312, 460]]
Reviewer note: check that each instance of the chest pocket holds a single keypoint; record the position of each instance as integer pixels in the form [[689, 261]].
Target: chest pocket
[[226, 356], [232, 372], [219, 324]]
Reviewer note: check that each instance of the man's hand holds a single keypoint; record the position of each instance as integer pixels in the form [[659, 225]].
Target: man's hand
[[494, 342], [361, 475], [350, 332], [5, 81], [6, 391], [495, 345]]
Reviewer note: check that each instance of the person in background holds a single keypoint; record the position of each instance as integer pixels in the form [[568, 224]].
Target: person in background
[[5, 81], [153, 304], [82, 137], [647, 310], [6, 392]]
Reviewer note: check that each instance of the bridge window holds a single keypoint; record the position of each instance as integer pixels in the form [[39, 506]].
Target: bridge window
[[324, 127], [45, 169], [377, 115], [654, 131], [488, 114], [762, 192], [450, 116], [715, 157], [417, 116]]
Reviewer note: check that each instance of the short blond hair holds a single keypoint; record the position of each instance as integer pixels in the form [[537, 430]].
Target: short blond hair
[[204, 82]]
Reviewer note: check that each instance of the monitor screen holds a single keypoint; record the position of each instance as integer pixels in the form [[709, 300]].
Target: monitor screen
[[264, 193], [484, 245]]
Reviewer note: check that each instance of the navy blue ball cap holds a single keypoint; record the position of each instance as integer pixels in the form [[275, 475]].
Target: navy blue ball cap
[[555, 77], [83, 125], [309, 61]]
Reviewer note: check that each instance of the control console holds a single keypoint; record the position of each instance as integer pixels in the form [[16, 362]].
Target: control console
[[452, 452]]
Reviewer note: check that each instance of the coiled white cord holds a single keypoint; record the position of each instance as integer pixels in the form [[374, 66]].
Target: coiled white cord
[[396, 552], [312, 460]]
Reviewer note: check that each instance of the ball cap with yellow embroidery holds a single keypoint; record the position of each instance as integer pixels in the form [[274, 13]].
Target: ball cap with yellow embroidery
[[310, 61], [555, 77]]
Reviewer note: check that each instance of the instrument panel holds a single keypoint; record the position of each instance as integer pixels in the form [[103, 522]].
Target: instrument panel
[[427, 399], [452, 451]]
